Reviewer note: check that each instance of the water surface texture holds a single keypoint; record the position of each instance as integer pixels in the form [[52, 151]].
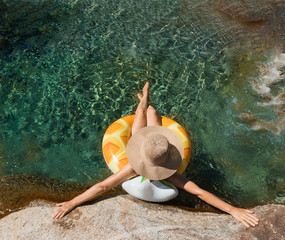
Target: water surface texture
[[68, 69]]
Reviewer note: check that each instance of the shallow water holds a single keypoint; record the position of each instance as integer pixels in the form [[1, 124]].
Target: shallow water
[[71, 68]]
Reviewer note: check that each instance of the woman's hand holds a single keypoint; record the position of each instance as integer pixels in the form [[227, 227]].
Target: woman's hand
[[244, 216], [97, 189], [65, 208]]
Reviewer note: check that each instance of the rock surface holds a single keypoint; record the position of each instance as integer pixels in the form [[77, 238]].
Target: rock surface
[[124, 217]]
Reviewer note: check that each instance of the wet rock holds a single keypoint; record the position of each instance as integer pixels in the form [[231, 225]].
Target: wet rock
[[17, 190], [124, 217], [271, 75]]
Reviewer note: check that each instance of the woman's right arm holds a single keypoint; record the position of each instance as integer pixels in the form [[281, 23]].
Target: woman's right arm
[[96, 190], [243, 215]]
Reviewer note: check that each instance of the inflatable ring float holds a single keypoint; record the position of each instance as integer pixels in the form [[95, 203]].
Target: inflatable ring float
[[114, 150]]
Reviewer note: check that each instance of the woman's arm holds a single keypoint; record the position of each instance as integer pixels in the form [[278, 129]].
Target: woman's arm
[[95, 191], [243, 215]]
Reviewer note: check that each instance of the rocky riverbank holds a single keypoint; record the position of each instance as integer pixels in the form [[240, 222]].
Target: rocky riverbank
[[124, 217]]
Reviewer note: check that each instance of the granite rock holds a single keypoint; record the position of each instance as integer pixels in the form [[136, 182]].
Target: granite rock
[[124, 217]]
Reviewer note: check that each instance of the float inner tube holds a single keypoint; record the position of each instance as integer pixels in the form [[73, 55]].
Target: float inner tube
[[114, 145]]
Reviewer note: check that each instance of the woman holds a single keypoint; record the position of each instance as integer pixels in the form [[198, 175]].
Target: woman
[[154, 152]]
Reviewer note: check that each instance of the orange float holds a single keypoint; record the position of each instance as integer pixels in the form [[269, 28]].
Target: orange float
[[118, 134]]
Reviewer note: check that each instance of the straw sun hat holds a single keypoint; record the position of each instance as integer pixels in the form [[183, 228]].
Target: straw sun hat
[[155, 152]]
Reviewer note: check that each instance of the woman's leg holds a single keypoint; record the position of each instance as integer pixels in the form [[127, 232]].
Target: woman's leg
[[141, 112], [153, 118]]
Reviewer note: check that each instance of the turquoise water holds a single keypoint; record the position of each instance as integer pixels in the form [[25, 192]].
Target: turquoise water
[[71, 68]]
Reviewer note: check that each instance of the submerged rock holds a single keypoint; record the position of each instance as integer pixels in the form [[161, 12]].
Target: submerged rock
[[4, 43], [124, 217], [17, 190]]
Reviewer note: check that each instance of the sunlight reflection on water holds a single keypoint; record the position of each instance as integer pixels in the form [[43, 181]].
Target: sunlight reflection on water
[[69, 69]]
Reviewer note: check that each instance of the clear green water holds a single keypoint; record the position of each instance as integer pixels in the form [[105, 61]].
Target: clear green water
[[71, 68]]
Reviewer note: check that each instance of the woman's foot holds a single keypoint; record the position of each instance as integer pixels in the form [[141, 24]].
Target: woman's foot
[[144, 98], [140, 96], [145, 91]]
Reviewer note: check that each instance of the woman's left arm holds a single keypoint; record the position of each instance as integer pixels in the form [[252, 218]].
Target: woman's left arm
[[243, 215]]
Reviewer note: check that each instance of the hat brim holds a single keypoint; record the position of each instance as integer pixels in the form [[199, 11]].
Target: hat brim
[[137, 159]]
